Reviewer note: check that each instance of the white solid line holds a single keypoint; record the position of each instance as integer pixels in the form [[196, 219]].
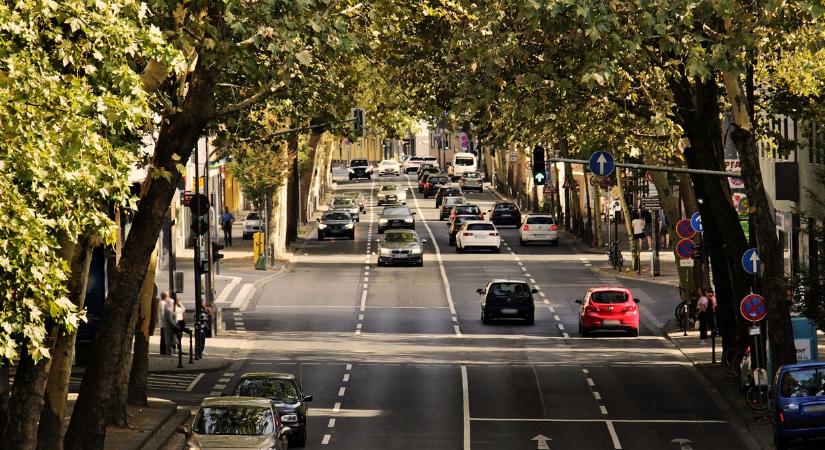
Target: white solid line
[[465, 390], [349, 366], [346, 377], [603, 409], [342, 391], [510, 419], [597, 395], [228, 288], [457, 330], [616, 444], [326, 439], [590, 381], [194, 382], [331, 423], [337, 407], [242, 299]]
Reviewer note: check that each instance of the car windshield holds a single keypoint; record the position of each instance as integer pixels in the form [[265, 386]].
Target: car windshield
[[336, 216], [387, 162], [358, 162], [388, 187], [807, 382], [481, 227], [341, 201], [508, 207], [540, 220], [234, 420], [274, 388], [454, 200], [509, 289], [396, 212], [470, 175], [464, 161], [608, 297], [400, 237], [252, 216], [467, 209]]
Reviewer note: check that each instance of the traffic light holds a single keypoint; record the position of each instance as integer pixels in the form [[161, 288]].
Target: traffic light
[[216, 252], [539, 171], [358, 121], [199, 225]]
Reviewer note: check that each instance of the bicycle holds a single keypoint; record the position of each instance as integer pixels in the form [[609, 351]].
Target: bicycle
[[757, 394], [615, 256], [684, 312]]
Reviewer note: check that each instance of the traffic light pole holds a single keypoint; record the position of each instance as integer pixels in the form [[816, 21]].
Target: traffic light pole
[[197, 247]]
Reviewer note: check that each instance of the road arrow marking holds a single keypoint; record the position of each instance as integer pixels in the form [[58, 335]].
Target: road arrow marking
[[601, 160], [542, 442], [683, 443]]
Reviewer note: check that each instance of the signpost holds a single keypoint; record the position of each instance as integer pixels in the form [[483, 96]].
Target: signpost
[[650, 203], [602, 163], [750, 261], [686, 248], [696, 222], [684, 229]]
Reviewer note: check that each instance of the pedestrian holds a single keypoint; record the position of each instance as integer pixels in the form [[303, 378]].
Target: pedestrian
[[227, 219], [664, 229], [647, 216], [711, 311], [170, 327], [180, 315], [162, 305], [204, 328], [638, 225], [702, 315]]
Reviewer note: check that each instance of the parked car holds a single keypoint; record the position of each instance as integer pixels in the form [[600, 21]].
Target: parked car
[[538, 228], [447, 190], [359, 168], [389, 167], [478, 234], [448, 205], [505, 213], [336, 223], [401, 247], [396, 217], [357, 197], [467, 210], [608, 308], [507, 299], [287, 397], [391, 194], [454, 225], [798, 407], [412, 164], [471, 181], [433, 183], [346, 204], [251, 225], [238, 423]]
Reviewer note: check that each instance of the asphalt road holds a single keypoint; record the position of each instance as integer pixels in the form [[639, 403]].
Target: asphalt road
[[397, 357]]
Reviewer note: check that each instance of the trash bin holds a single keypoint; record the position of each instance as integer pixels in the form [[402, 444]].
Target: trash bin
[[804, 339]]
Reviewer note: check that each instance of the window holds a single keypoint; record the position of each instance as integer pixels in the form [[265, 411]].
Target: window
[[454, 200], [803, 383], [268, 387], [608, 297], [509, 289], [234, 420], [252, 216], [465, 161], [506, 207], [400, 237], [540, 220], [388, 187], [470, 209], [336, 216], [480, 227]]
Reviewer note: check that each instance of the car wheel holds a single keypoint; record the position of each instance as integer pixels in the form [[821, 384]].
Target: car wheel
[[633, 333], [531, 319], [485, 319], [497, 249], [584, 332], [451, 241], [352, 236], [480, 190], [458, 249], [554, 243]]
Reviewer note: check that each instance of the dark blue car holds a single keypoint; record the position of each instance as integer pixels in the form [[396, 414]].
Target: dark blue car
[[799, 402]]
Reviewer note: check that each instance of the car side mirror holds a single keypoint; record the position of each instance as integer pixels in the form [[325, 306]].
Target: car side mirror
[[423, 241], [480, 291], [636, 300], [182, 430], [307, 398], [534, 291], [578, 301]]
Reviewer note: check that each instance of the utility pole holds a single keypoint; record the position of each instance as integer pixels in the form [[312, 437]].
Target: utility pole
[[197, 245]]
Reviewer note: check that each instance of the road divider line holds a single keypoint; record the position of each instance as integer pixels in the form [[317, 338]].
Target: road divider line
[[465, 393], [349, 367], [603, 409], [615, 437], [346, 377], [331, 423], [590, 382], [326, 439], [597, 395], [337, 407], [341, 391], [194, 382]]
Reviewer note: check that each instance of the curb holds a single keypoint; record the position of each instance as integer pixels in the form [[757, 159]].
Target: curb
[[163, 434], [193, 369], [610, 270]]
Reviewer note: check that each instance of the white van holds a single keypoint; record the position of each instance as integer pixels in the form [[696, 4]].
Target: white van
[[463, 163]]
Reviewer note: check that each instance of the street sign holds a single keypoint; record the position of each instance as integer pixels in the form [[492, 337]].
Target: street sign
[[650, 203], [199, 204], [750, 261], [539, 178], [753, 307], [686, 263], [754, 331], [684, 229], [686, 248], [569, 182], [602, 163], [696, 222], [549, 190]]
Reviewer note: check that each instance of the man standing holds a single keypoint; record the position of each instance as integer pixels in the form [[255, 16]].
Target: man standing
[[227, 219], [638, 225], [163, 305]]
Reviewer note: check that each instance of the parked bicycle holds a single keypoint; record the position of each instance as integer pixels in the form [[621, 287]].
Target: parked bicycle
[[685, 311], [615, 256], [757, 393]]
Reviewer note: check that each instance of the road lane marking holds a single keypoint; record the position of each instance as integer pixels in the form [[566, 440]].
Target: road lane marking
[[242, 299], [552, 310], [337, 407], [616, 444], [542, 294], [527, 274], [346, 377], [603, 409], [326, 439], [349, 367], [597, 395], [569, 420], [228, 288], [364, 301], [585, 371], [561, 327], [546, 302], [532, 280], [331, 423], [465, 390], [590, 382], [341, 391], [194, 382], [566, 336]]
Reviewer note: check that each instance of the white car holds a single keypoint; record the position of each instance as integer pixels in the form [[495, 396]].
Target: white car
[[392, 194], [538, 228], [477, 234], [389, 167], [412, 164], [251, 225]]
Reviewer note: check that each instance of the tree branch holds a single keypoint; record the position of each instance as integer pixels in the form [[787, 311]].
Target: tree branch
[[249, 101]]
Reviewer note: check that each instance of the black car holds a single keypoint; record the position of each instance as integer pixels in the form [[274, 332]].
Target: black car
[[455, 224], [446, 208], [401, 247], [360, 168], [507, 299], [286, 395], [433, 183], [505, 213], [447, 191], [336, 223], [396, 217], [426, 167]]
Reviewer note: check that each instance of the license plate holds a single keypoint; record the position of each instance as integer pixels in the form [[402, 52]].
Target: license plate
[[814, 408], [612, 322], [509, 311]]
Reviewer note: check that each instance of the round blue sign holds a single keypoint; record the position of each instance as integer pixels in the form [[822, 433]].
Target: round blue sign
[[686, 248], [696, 222], [750, 261], [602, 163]]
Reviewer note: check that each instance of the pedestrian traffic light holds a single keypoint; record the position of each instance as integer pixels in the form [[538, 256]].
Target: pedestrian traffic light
[[216, 252], [539, 171], [199, 225], [358, 121]]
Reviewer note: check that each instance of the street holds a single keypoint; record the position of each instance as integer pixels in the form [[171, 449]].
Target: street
[[397, 357]]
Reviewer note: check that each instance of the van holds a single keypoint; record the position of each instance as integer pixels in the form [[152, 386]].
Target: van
[[463, 163]]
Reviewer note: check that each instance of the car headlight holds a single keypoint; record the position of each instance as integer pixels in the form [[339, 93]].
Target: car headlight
[[321, 226], [415, 249], [385, 251], [350, 171], [289, 418], [382, 221], [348, 226], [380, 196], [193, 446], [408, 220]]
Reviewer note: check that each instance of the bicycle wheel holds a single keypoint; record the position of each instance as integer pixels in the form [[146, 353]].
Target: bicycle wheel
[[757, 397]]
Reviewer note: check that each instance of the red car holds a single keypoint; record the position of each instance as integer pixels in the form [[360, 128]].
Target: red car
[[609, 308]]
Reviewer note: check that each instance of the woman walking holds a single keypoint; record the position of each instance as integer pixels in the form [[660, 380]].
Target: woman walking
[[702, 315]]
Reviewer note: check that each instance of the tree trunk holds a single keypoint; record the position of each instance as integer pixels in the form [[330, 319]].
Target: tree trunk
[[770, 253], [309, 174], [138, 376], [26, 403], [670, 205], [293, 206], [575, 202], [177, 137], [626, 215], [50, 432]]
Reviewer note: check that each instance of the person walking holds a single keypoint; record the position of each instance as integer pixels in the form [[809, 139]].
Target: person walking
[[702, 315], [170, 327], [180, 314], [227, 219], [162, 305], [204, 329], [638, 225], [711, 311], [664, 229]]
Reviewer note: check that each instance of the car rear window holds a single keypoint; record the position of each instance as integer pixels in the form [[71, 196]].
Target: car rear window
[[807, 382], [540, 220], [464, 161], [608, 297], [509, 289], [358, 162], [481, 227], [437, 179], [454, 200], [252, 216], [467, 209], [505, 207]]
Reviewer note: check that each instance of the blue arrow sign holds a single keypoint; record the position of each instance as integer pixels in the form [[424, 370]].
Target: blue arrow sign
[[602, 163], [696, 222], [750, 261]]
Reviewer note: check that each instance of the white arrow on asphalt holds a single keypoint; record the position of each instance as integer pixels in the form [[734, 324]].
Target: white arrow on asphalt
[[754, 262], [683, 443], [539, 177], [542, 442], [601, 160]]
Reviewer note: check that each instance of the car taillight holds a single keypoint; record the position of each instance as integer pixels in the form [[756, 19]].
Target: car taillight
[[493, 234], [526, 227], [466, 234], [553, 228], [629, 308], [781, 417]]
